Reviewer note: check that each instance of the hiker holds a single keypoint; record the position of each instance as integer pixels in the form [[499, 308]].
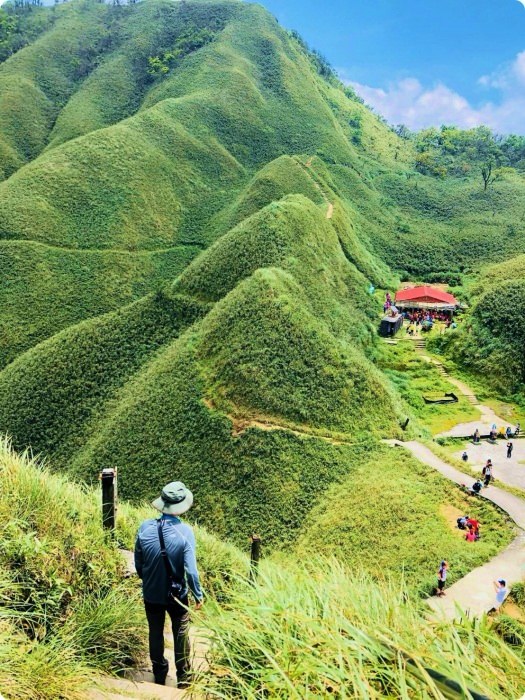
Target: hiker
[[517, 430], [493, 435], [464, 456], [442, 577], [471, 536], [477, 486], [510, 447], [165, 561], [500, 586], [487, 472], [473, 524], [476, 437], [508, 432], [462, 522]]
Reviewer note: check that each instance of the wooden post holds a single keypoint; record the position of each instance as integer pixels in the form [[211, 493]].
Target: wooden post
[[108, 477], [255, 555]]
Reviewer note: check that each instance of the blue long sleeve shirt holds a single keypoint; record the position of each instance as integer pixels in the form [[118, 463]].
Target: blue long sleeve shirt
[[180, 547]]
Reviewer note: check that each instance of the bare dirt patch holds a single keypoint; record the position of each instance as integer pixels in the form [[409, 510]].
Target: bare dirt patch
[[451, 515]]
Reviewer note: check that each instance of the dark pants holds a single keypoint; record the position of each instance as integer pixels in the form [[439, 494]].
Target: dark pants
[[180, 623]]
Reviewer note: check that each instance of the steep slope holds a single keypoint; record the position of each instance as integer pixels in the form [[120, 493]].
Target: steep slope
[[284, 330], [161, 178], [41, 77], [175, 121], [45, 289], [491, 341]]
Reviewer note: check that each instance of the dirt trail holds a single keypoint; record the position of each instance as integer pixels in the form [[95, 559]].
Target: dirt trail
[[306, 166], [240, 425]]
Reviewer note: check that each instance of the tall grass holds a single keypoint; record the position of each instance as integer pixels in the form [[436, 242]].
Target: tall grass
[[65, 611], [319, 630]]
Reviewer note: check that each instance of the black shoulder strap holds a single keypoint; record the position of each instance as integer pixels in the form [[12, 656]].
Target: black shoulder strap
[[163, 552]]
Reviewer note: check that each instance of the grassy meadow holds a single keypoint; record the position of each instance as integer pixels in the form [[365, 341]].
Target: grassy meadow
[[415, 377]]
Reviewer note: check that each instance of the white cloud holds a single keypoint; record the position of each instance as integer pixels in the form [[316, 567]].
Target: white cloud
[[408, 102]]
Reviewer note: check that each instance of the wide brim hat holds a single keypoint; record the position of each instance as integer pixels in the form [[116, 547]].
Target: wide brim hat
[[175, 499]]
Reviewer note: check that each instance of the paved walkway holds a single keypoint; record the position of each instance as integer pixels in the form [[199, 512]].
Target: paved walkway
[[475, 592], [510, 471]]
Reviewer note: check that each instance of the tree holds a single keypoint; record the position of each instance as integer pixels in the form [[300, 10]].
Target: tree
[[487, 174], [7, 25], [403, 131]]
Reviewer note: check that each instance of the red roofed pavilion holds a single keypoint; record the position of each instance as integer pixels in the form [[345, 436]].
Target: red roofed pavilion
[[425, 298]]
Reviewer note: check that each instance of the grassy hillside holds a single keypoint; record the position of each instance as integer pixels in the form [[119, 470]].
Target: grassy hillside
[[161, 125], [189, 245], [406, 528], [45, 288], [68, 616], [67, 612], [340, 634], [152, 384], [490, 342]]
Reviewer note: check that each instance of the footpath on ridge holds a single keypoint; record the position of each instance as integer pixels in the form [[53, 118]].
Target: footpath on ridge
[[306, 167]]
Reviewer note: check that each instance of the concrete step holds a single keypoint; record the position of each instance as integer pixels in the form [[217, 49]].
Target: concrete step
[[124, 688]]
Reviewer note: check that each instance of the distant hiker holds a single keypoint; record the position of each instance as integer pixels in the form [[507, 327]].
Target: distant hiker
[[477, 486], [473, 524], [165, 561], [476, 436], [517, 430], [500, 586], [464, 456], [462, 522], [441, 578], [487, 472], [510, 447], [508, 432]]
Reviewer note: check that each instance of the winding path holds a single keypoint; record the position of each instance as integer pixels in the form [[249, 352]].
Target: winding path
[[474, 593], [306, 166]]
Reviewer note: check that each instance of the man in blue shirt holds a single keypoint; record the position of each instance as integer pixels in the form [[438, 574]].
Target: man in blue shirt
[[161, 575]]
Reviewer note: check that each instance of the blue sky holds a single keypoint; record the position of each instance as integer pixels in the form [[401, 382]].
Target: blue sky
[[423, 62]]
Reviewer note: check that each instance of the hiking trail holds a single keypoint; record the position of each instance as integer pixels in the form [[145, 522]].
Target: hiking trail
[[240, 425], [306, 168], [474, 593], [138, 683]]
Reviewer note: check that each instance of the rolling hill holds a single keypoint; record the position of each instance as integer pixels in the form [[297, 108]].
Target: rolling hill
[[194, 212]]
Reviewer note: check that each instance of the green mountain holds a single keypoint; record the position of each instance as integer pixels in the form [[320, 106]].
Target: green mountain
[[193, 214]]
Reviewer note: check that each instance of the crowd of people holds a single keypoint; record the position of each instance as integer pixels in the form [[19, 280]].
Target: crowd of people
[[470, 525], [425, 320]]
